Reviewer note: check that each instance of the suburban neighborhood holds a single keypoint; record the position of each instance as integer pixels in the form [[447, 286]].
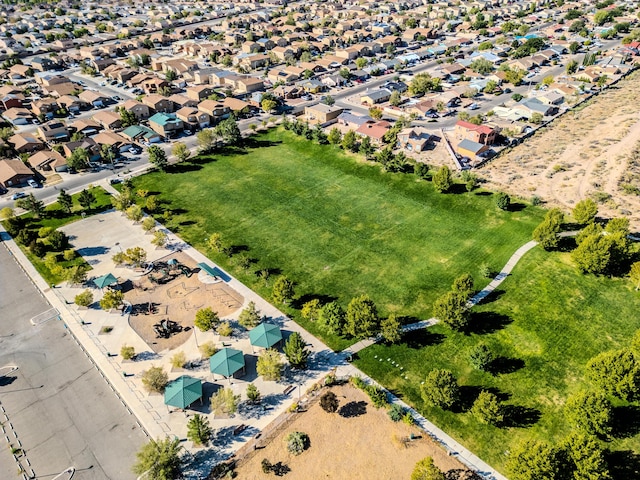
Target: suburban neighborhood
[[274, 233]]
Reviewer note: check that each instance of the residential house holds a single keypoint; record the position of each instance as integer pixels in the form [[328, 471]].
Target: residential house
[[88, 144], [166, 124], [158, 103], [352, 121], [141, 133], [25, 143], [236, 105], [72, 104], [86, 126], [14, 173], [53, 131], [469, 148], [11, 100], [216, 110], [139, 109], [108, 119], [322, 114], [46, 107], [199, 92], [478, 133], [113, 139], [374, 130], [249, 84], [375, 96], [414, 139], [193, 118], [94, 98], [179, 100], [18, 116], [48, 160]]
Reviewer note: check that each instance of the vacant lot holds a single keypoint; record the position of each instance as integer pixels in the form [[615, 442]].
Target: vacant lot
[[543, 326], [363, 445], [336, 226], [586, 153]]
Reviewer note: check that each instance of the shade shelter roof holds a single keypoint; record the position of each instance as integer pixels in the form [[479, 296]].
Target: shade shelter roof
[[214, 271], [105, 280], [183, 391], [265, 335], [226, 362]]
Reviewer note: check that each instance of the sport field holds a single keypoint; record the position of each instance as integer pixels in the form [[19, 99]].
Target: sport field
[[545, 324], [336, 226]]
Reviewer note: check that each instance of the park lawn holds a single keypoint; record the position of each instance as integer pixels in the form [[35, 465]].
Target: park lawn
[[336, 225], [546, 321], [55, 218]]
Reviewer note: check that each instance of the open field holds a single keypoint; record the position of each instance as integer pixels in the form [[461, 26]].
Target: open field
[[544, 324], [335, 225], [357, 447], [586, 153], [55, 217]]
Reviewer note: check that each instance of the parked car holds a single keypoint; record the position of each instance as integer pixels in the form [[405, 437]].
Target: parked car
[[18, 195], [33, 183], [473, 106], [114, 181]]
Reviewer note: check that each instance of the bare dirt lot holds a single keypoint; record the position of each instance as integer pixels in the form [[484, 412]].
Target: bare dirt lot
[[177, 300], [593, 151], [362, 446]]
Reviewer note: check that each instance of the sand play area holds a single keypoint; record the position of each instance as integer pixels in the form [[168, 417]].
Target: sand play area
[[168, 292], [362, 445]]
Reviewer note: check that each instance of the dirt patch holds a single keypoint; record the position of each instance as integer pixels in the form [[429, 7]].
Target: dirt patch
[[362, 446], [586, 153], [177, 300]]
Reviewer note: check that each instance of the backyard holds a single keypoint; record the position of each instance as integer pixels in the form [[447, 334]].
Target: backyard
[[336, 225], [543, 325]]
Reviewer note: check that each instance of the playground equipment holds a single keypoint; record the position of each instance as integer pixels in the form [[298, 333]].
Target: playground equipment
[[167, 270], [166, 328]]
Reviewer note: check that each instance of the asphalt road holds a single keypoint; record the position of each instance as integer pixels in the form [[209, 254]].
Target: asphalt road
[[61, 409]]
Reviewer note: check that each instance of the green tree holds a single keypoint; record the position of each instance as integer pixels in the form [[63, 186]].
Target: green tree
[[158, 157], [198, 430], [349, 141], [207, 349], [155, 379], [332, 317], [590, 412], [127, 352], [329, 402], [296, 351], [487, 409], [224, 401], [362, 319], [366, 148], [84, 299], [503, 201], [206, 140], [283, 290], [229, 131], [440, 389], [571, 67], [482, 66], [181, 151], [585, 211], [297, 442], [421, 170], [634, 274], [161, 458], [391, 329], [451, 308], [481, 357], [442, 180], [463, 285], [253, 394], [334, 137], [111, 299], [395, 98], [31, 204], [86, 198], [587, 456], [268, 105], [615, 373], [250, 316], [7, 213], [159, 239], [546, 234], [311, 310], [206, 319], [79, 159], [425, 469], [170, 75], [592, 255], [423, 83], [269, 365], [127, 117], [361, 62], [135, 213], [533, 460], [65, 201]]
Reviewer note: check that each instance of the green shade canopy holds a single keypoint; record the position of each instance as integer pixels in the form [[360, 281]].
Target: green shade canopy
[[214, 271], [226, 362], [183, 391], [265, 335], [105, 280]]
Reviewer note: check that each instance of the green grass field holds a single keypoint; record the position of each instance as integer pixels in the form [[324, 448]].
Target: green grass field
[[336, 225], [546, 322], [55, 217]]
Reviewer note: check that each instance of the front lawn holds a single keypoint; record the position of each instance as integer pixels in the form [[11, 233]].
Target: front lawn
[[544, 324], [336, 225]]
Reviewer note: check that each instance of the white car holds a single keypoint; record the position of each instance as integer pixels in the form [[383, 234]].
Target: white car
[[33, 183]]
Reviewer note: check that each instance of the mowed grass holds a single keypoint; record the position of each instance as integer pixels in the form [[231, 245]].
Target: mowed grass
[[546, 322], [337, 226]]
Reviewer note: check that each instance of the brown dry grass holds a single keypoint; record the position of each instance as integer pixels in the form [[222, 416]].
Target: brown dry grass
[[177, 300], [365, 447], [585, 153]]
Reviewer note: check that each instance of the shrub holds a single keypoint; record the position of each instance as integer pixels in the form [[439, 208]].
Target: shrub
[[297, 442], [127, 352], [37, 248], [69, 254], [148, 224], [329, 402], [253, 394], [270, 365], [106, 329], [111, 299], [396, 413], [224, 401], [208, 349], [503, 201], [84, 299], [206, 319], [408, 419], [377, 395], [266, 466], [179, 360], [155, 379], [224, 329]]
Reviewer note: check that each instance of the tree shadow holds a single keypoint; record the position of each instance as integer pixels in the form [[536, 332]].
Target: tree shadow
[[461, 474], [566, 244], [519, 416], [422, 338], [484, 193], [183, 168], [187, 223], [626, 421], [623, 465], [253, 142], [307, 297], [457, 189], [280, 469], [492, 296], [468, 395], [516, 207], [353, 409], [201, 159], [503, 365], [483, 323]]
